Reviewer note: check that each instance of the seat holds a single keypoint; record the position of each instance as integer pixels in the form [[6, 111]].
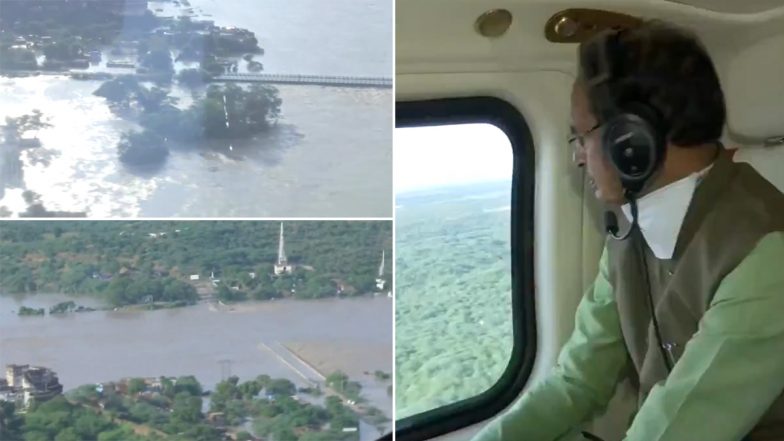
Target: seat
[[768, 161]]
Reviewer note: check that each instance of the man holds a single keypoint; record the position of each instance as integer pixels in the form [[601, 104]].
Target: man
[[706, 248]]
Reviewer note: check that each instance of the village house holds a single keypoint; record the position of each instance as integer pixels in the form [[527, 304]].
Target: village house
[[25, 384]]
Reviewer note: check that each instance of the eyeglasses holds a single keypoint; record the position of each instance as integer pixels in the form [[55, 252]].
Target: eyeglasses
[[577, 140]]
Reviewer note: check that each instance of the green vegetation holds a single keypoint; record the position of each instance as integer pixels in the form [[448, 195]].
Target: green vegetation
[[315, 391], [36, 209], [382, 376], [255, 66], [16, 126], [62, 307], [230, 295], [158, 59], [375, 416], [65, 30], [142, 148], [191, 77], [286, 419], [171, 409], [65, 49], [225, 112], [123, 92], [60, 420], [66, 307], [98, 24], [341, 384], [123, 291], [18, 58], [10, 422], [453, 295], [249, 111], [135, 262], [25, 311]]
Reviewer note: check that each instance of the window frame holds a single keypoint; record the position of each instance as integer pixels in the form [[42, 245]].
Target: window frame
[[503, 115]]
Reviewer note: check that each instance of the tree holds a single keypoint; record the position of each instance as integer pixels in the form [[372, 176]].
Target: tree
[[229, 295], [284, 433], [188, 384], [337, 380], [186, 409], [10, 423], [123, 433], [263, 380], [191, 78], [153, 99], [144, 413], [225, 391], [21, 59], [236, 411], [120, 89], [85, 394], [36, 435], [63, 50], [249, 112], [142, 148], [88, 425], [255, 66], [50, 418], [158, 60], [136, 385], [281, 387], [249, 389], [176, 290], [68, 434], [264, 291], [167, 386], [315, 287]]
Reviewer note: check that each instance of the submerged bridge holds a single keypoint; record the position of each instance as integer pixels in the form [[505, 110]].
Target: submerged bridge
[[304, 80], [315, 80]]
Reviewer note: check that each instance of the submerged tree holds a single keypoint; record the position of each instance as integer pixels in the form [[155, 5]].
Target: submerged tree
[[142, 148]]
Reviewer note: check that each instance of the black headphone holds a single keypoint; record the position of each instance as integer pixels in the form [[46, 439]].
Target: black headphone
[[634, 137]]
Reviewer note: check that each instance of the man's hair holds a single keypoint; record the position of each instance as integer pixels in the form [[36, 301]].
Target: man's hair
[[660, 65]]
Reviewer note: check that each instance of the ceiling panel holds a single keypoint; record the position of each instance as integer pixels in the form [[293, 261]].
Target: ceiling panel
[[734, 6]]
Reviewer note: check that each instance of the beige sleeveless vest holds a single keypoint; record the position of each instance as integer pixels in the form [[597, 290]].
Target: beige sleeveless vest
[[732, 209]]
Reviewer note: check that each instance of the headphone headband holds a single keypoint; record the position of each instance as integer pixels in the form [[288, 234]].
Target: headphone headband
[[633, 133]]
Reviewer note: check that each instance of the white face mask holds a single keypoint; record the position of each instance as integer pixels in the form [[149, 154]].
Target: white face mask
[[662, 212]]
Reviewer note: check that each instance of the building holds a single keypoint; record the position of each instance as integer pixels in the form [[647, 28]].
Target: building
[[282, 266], [27, 383], [217, 419], [13, 375], [381, 282]]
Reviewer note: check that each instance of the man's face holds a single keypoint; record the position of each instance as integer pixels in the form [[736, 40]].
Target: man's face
[[602, 175]]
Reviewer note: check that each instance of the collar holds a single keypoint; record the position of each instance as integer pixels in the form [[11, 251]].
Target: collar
[[661, 213]]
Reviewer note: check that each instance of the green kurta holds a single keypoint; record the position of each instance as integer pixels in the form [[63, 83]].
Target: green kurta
[[729, 374]]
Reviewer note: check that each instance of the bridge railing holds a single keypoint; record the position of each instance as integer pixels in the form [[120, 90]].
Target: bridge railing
[[306, 79]]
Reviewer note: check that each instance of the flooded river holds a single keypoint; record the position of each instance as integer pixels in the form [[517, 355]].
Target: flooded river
[[207, 341], [329, 156]]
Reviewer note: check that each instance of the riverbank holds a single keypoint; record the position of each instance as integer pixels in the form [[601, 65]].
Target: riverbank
[[245, 306], [328, 357]]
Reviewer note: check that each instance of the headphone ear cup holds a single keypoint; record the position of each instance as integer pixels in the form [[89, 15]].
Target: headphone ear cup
[[634, 147]]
